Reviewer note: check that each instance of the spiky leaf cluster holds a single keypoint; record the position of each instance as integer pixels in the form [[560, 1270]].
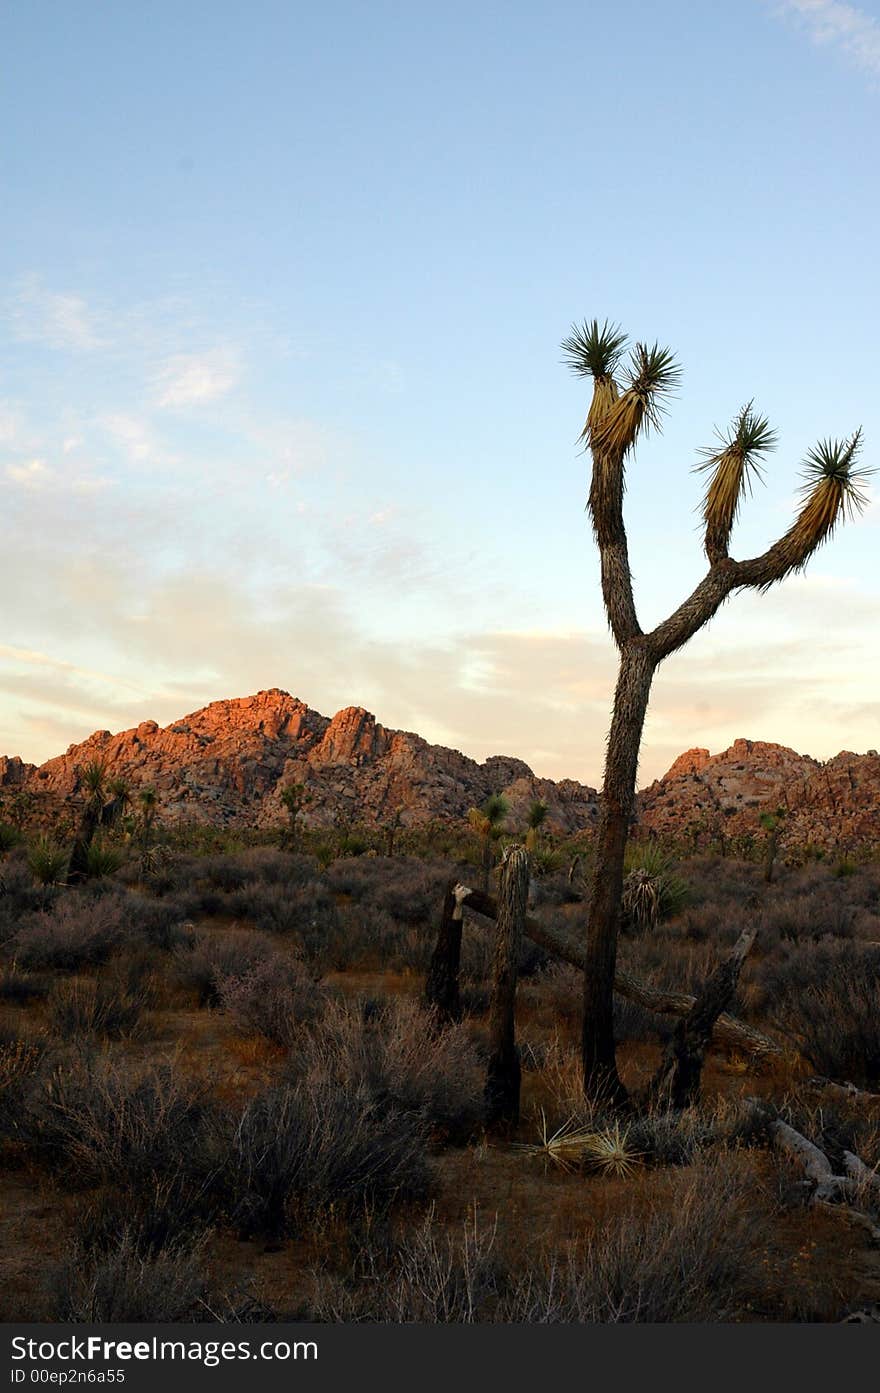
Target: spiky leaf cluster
[[651, 376], [833, 489], [591, 351], [732, 469]]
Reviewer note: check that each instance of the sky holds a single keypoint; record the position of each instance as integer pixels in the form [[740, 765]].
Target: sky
[[282, 289]]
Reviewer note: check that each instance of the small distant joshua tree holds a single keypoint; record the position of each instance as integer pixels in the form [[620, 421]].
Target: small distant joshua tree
[[626, 402], [295, 799], [772, 824], [535, 819], [92, 782], [488, 822]]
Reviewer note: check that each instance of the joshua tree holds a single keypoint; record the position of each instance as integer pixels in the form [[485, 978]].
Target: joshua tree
[[772, 824], [91, 779], [391, 830], [295, 798], [148, 804], [488, 822], [625, 403], [535, 819], [119, 790]]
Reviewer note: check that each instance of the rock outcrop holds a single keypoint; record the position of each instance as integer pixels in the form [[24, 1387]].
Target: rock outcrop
[[228, 764]]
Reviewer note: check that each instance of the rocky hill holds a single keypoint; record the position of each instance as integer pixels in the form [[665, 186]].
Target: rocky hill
[[835, 806], [228, 763]]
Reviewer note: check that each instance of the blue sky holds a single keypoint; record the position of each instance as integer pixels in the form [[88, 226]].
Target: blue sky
[[282, 291]]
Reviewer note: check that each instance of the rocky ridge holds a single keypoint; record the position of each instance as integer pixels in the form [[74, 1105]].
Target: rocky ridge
[[228, 763]]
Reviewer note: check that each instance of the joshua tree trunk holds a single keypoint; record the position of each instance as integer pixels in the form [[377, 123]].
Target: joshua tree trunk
[[78, 866], [503, 1077], [618, 798]]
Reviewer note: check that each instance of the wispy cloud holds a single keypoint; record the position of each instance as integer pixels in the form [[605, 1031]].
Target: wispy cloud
[[34, 474], [57, 320], [835, 24], [191, 378]]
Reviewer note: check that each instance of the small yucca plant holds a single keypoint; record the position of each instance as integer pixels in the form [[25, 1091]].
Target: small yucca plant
[[102, 858], [564, 1148], [47, 861], [652, 891], [609, 1151], [9, 837]]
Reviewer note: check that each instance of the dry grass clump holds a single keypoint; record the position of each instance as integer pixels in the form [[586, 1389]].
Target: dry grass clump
[[109, 1009], [124, 1283], [693, 1259]]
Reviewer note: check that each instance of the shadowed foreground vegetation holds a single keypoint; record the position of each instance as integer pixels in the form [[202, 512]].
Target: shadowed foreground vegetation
[[221, 1097]]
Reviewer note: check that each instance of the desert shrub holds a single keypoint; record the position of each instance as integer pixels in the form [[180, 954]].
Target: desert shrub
[[47, 861], [110, 1010], [410, 891], [691, 1261], [308, 915], [78, 932], [300, 1149], [808, 917], [273, 998], [21, 895], [214, 956], [671, 1138], [158, 922], [125, 1284], [827, 999], [9, 837], [20, 988], [20, 1059], [91, 1117], [373, 938], [397, 1054]]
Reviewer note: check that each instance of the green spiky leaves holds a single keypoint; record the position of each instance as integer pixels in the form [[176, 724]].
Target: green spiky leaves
[[829, 469], [733, 468], [591, 351], [832, 490], [651, 376]]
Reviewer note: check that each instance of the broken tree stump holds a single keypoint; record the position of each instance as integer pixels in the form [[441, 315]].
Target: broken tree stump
[[677, 1082], [503, 1075], [441, 985]]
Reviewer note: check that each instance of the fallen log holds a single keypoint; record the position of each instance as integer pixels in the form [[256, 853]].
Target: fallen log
[[845, 1092], [727, 1030], [828, 1191]]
